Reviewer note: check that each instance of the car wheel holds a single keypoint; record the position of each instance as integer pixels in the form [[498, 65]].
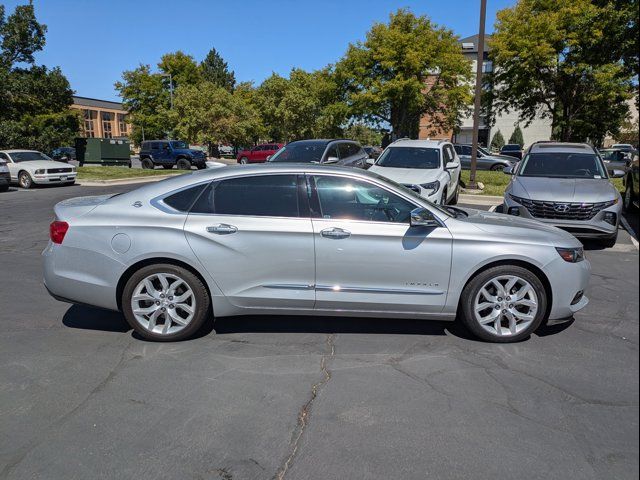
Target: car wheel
[[456, 196], [147, 164], [503, 304], [628, 196], [165, 302], [183, 164], [610, 242], [25, 180], [244, 160], [443, 200], [497, 167]]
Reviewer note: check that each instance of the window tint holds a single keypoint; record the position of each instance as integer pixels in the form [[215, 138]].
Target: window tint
[[410, 157], [155, 145], [448, 154], [261, 196], [4, 157], [183, 199], [332, 152], [346, 198], [347, 149]]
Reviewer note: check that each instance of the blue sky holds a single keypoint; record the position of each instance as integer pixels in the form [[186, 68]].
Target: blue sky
[[93, 41]]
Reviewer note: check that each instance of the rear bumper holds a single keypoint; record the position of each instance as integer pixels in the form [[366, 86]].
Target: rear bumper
[[567, 280]]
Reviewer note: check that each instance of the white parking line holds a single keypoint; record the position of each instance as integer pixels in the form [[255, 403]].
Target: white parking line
[[628, 228]]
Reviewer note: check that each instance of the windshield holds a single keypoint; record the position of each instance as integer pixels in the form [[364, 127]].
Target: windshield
[[28, 156], [410, 157], [179, 145], [511, 147], [562, 165], [302, 152]]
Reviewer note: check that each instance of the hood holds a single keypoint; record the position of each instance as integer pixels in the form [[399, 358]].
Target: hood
[[413, 176], [190, 151], [36, 164], [501, 157], [587, 190], [517, 228]]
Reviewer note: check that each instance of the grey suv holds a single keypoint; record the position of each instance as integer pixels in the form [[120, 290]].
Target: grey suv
[[566, 185], [327, 151]]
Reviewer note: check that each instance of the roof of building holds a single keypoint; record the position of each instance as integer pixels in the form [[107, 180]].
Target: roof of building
[[470, 44], [94, 102]]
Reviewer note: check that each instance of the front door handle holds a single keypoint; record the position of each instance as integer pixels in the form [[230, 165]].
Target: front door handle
[[335, 233], [222, 229]]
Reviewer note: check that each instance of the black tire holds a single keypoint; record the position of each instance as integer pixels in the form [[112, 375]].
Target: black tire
[[498, 167], [147, 164], [443, 200], [472, 289], [456, 196], [202, 302], [244, 161], [183, 164], [610, 242], [25, 180], [201, 166], [627, 201], [167, 167]]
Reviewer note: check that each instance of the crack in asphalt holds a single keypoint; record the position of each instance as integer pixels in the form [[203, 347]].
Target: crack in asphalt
[[305, 411]]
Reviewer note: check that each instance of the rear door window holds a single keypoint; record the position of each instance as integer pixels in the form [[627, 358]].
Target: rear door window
[[184, 199], [258, 196]]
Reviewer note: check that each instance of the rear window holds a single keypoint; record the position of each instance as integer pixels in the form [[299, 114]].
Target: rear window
[[259, 196], [184, 199]]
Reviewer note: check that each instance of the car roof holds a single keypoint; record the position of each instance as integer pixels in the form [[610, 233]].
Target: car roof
[[561, 147], [17, 150], [406, 142]]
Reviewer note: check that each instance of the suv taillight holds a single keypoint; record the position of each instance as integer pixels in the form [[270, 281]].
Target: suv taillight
[[57, 231]]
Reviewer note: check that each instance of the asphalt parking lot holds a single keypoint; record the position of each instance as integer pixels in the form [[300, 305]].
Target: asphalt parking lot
[[308, 398]]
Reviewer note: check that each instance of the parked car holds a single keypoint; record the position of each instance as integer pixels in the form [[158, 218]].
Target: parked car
[[5, 176], [225, 149], [353, 243], [625, 147], [431, 168], [28, 167], [373, 152], [512, 150], [614, 158], [64, 154], [259, 153], [170, 153], [566, 185], [327, 152], [631, 186], [484, 160]]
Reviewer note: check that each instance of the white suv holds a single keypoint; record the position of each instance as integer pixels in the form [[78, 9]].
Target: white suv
[[429, 167]]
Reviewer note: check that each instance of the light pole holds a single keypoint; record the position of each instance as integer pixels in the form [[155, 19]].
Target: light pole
[[478, 96]]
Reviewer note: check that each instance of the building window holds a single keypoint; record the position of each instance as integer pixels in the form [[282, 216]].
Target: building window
[[89, 124], [122, 124], [107, 127]]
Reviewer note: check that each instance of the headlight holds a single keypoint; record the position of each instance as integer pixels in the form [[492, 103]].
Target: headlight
[[40, 171], [431, 188], [517, 199], [571, 255]]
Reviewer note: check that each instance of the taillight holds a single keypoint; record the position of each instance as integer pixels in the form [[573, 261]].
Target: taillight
[[57, 231]]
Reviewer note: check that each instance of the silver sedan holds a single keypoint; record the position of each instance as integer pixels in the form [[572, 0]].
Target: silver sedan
[[308, 240]]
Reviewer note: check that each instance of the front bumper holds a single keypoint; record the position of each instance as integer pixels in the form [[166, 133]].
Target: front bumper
[[595, 227], [46, 178]]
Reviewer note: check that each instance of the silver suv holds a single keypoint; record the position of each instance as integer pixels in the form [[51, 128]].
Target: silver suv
[[568, 186]]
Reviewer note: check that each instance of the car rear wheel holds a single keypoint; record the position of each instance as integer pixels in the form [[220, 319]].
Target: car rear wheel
[[503, 304], [497, 167], [25, 180], [147, 164], [183, 164], [456, 195], [244, 160], [165, 302]]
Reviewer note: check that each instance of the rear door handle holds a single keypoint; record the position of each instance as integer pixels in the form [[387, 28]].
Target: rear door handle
[[222, 229], [335, 233]]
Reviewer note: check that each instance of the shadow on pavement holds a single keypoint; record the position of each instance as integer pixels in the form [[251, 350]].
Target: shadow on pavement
[[88, 318]]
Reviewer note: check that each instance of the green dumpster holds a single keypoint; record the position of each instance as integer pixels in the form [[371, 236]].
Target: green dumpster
[[103, 151]]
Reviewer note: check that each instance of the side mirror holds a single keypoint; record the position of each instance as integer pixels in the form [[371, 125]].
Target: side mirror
[[617, 174], [508, 170], [370, 161], [452, 165], [421, 217], [332, 160]]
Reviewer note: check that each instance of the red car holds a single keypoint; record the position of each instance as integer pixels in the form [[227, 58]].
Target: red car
[[259, 153]]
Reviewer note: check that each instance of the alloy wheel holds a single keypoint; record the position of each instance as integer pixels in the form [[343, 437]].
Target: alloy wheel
[[163, 303], [506, 305]]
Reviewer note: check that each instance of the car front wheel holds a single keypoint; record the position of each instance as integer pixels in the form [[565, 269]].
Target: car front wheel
[[503, 304], [244, 160], [25, 180], [165, 302], [147, 164], [628, 196]]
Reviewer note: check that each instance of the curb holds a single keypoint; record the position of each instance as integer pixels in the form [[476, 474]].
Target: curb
[[630, 231], [487, 200], [124, 181]]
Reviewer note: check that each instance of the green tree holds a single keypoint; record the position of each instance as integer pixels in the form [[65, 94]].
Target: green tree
[[215, 70], [497, 142], [405, 69], [34, 101], [363, 133], [182, 68], [517, 137], [210, 114], [552, 58]]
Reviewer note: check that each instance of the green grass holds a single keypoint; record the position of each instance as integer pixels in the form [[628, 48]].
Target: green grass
[[119, 173], [496, 182]]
